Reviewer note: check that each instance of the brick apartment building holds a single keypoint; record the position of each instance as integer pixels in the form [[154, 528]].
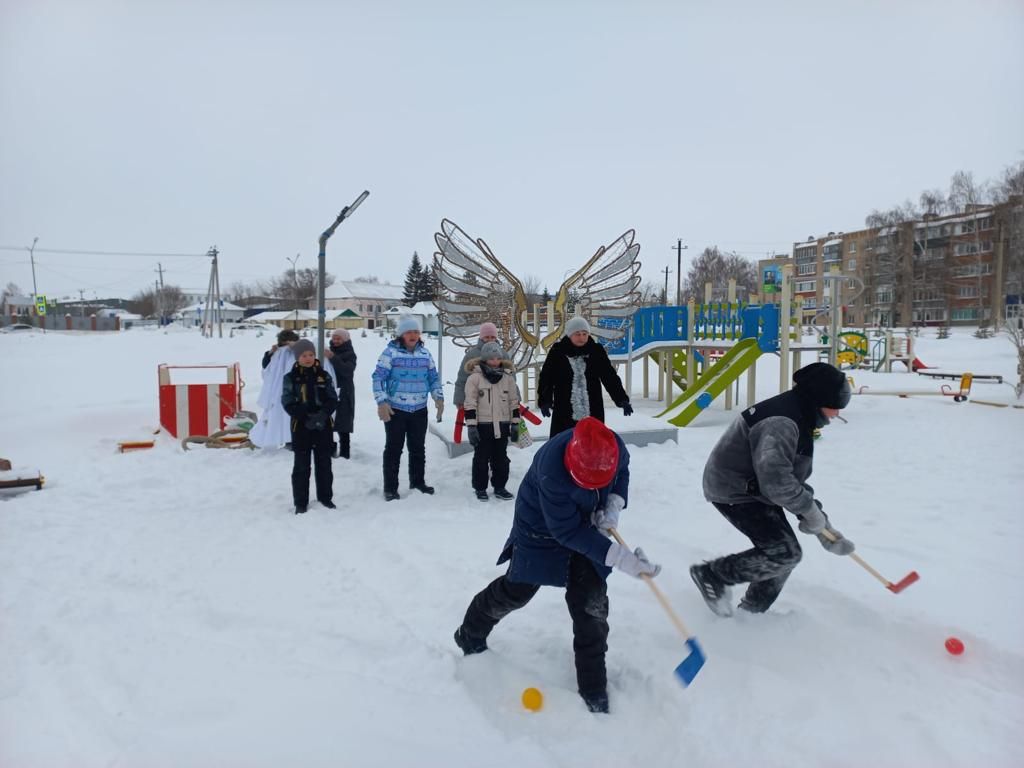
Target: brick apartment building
[[962, 269]]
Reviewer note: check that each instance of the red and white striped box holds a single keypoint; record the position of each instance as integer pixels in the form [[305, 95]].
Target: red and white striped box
[[195, 399]]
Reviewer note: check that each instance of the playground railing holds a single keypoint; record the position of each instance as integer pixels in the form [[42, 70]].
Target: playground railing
[[712, 322]]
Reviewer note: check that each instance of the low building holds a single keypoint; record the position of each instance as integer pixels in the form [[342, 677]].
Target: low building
[[424, 311], [369, 300], [194, 314], [298, 319]]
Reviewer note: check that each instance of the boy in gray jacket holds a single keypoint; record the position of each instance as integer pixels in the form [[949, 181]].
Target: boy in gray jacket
[[758, 468]]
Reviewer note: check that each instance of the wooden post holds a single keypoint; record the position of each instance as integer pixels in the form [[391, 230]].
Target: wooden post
[[785, 309], [67, 322], [707, 293], [691, 363], [729, 324]]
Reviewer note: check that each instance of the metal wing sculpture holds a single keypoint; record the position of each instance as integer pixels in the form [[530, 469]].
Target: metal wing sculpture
[[474, 288]]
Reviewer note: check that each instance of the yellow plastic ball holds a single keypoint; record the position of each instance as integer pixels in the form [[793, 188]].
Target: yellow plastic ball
[[533, 699]]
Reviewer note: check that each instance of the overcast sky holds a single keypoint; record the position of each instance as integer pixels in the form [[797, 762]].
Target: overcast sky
[[545, 127]]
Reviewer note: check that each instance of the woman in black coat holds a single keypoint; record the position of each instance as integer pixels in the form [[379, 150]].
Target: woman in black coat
[[342, 356], [572, 376]]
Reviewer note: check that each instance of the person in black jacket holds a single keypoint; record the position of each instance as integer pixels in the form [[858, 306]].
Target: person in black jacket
[[571, 378], [283, 338], [760, 467], [342, 357], [309, 398]]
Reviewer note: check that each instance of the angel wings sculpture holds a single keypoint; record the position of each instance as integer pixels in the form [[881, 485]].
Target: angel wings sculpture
[[474, 288]]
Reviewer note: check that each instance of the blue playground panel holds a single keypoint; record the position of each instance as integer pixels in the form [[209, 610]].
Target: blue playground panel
[[712, 322]]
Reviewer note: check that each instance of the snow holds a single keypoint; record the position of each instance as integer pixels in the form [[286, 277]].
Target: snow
[[162, 608]]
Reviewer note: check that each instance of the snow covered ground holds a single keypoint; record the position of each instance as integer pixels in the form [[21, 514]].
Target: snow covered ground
[[164, 608]]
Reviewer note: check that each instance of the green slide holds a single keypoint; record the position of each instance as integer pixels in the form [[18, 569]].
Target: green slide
[[714, 382]]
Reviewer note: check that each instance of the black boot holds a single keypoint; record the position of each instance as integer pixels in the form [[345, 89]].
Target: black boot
[[328, 504], [424, 488], [482, 496], [469, 645], [345, 445], [391, 496], [300, 509], [502, 494], [716, 593], [596, 702]]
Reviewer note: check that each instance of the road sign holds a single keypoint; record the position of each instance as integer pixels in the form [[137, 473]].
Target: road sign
[[41, 306]]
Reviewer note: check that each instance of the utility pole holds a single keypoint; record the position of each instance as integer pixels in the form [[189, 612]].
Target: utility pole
[[679, 248], [295, 282], [213, 299], [32, 258], [81, 302], [666, 271], [160, 294]]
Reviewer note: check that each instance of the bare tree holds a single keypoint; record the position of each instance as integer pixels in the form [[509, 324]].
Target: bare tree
[[371, 279], [11, 289], [149, 301], [532, 289], [298, 286], [718, 267]]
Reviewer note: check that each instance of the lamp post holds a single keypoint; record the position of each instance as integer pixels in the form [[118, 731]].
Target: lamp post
[[321, 310]]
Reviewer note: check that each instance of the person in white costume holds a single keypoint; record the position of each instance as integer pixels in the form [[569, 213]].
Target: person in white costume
[[274, 428]]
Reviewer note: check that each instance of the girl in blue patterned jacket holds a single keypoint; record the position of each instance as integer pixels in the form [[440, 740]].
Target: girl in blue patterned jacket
[[403, 381]]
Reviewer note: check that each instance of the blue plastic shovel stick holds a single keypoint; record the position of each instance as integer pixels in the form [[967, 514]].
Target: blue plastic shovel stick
[[688, 668]]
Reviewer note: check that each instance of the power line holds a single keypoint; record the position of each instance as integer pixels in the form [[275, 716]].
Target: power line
[[107, 253]]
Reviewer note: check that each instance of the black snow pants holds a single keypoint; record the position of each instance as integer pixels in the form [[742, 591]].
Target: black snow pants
[[768, 564], [320, 444], [490, 452], [405, 428], [586, 596]]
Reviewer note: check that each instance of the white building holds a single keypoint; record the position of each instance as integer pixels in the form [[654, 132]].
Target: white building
[[193, 314], [370, 300], [425, 311]]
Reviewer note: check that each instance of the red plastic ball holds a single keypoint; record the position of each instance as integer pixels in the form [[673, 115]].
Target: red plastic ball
[[954, 645]]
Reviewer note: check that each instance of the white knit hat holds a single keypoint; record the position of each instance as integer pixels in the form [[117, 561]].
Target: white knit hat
[[408, 323], [575, 325]]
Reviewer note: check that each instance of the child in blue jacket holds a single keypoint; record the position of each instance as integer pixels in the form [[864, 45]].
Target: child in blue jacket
[[404, 380]]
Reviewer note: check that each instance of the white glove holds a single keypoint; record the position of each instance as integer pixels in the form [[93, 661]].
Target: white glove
[[813, 520], [607, 517], [634, 563]]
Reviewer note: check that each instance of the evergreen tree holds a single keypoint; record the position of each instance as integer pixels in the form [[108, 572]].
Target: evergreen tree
[[427, 290], [413, 281], [546, 296]]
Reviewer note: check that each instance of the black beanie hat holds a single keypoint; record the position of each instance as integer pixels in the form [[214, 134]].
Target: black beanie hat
[[823, 385]]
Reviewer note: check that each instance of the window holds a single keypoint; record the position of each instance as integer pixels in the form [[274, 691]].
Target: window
[[805, 286], [965, 313], [378, 307], [851, 264], [972, 270], [810, 303], [804, 255], [967, 227], [360, 307], [968, 249], [806, 269], [926, 294], [853, 247], [883, 294], [967, 291], [985, 223]]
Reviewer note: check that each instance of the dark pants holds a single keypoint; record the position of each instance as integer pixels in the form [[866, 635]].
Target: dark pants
[[320, 444], [586, 595], [402, 429], [774, 555], [345, 444], [490, 452]]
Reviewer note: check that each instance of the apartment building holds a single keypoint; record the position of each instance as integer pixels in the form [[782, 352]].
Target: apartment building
[[960, 269]]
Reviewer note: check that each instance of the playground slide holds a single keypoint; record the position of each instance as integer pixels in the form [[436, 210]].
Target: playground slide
[[714, 382]]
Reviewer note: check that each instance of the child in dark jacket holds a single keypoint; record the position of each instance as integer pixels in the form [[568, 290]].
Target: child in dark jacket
[[310, 399]]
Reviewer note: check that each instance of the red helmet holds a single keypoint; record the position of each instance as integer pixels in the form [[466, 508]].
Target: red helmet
[[592, 455]]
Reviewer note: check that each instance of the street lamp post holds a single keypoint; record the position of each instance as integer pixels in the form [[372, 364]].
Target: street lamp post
[[321, 310], [295, 282]]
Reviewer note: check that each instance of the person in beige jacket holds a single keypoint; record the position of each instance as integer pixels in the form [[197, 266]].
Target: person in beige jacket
[[492, 418]]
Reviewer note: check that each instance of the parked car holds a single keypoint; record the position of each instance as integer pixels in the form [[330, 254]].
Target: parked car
[[18, 327], [246, 327]]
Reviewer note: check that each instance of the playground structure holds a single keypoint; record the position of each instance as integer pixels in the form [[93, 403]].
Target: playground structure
[[196, 399]]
